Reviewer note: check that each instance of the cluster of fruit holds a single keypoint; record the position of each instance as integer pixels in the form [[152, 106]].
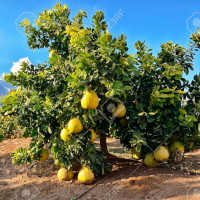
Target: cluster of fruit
[[75, 126], [161, 154], [85, 175], [89, 101]]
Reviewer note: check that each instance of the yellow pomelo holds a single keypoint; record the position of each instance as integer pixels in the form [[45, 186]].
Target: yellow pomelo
[[94, 135], [120, 111], [65, 135], [44, 155], [64, 174], [75, 126], [136, 154], [86, 175], [150, 161], [176, 145], [161, 153], [90, 100]]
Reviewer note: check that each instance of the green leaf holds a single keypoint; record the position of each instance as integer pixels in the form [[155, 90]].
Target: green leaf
[[26, 22], [49, 129], [81, 88], [38, 107], [128, 87], [183, 111], [166, 90], [70, 79], [194, 119], [138, 148], [110, 93], [28, 160], [123, 61], [117, 84], [143, 125], [190, 124], [152, 113], [34, 133], [93, 156], [126, 78], [177, 77], [141, 114], [163, 96]]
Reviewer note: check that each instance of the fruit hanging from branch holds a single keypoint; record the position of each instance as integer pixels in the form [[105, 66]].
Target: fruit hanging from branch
[[65, 135], [120, 111], [90, 100], [75, 125], [93, 135]]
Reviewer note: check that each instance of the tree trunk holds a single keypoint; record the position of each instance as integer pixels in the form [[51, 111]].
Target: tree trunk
[[103, 144]]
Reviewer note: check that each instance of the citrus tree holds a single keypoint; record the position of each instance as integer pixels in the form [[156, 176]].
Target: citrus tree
[[91, 85], [61, 104], [163, 107], [9, 113]]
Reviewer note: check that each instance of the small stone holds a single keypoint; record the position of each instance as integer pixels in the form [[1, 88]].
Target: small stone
[[21, 171], [3, 161]]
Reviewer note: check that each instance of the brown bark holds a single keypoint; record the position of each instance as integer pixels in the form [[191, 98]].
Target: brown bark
[[103, 144]]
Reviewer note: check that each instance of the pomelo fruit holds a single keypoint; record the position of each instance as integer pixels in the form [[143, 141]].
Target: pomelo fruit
[[90, 100], [120, 111], [150, 161], [75, 126], [94, 135], [176, 145], [161, 153], [136, 154], [65, 134], [64, 174], [86, 175], [44, 155]]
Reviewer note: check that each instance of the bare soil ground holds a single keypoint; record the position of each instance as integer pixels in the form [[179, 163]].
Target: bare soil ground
[[129, 180]]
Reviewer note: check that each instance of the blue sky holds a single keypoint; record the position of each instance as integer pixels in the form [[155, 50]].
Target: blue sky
[[155, 21]]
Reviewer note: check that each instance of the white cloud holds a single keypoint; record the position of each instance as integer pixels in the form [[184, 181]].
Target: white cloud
[[2, 76], [17, 65]]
